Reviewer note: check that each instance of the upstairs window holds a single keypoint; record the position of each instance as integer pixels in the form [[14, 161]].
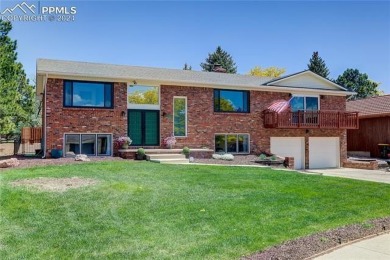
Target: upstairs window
[[232, 101], [88, 94], [305, 103]]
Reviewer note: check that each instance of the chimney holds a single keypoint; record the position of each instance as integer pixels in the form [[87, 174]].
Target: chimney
[[218, 68]]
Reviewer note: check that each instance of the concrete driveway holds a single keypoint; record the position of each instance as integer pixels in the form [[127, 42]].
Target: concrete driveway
[[357, 174]]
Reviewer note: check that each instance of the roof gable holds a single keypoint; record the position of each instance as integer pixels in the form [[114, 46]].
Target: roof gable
[[305, 79]]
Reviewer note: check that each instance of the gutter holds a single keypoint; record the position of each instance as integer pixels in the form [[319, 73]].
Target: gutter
[[45, 129]]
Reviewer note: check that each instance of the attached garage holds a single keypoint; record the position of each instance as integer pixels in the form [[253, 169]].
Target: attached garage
[[290, 147], [324, 152]]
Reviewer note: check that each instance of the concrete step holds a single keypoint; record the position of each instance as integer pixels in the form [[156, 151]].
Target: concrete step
[[171, 161], [150, 157]]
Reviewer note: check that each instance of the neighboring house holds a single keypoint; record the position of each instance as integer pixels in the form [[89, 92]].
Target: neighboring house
[[86, 105], [374, 124]]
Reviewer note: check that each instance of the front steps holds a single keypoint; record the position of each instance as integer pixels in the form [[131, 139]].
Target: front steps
[[170, 158]]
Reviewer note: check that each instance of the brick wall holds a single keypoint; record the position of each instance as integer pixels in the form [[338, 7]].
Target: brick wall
[[62, 119], [204, 123]]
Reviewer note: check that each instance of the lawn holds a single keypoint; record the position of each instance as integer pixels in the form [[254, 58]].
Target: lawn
[[145, 210]]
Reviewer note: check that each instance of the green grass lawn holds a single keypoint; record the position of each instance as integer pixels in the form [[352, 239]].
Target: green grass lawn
[[145, 210]]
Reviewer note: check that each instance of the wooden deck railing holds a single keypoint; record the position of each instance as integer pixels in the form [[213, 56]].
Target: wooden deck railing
[[312, 119]]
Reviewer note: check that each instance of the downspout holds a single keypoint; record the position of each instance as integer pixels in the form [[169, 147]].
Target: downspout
[[44, 125]]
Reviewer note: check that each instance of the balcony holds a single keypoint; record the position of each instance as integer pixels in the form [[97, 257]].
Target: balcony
[[320, 119]]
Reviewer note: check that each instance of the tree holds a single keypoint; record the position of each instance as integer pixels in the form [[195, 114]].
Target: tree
[[317, 65], [222, 58], [144, 97], [358, 82], [187, 67], [17, 95], [273, 72]]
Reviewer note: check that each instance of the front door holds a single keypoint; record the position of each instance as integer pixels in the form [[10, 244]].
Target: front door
[[144, 127]]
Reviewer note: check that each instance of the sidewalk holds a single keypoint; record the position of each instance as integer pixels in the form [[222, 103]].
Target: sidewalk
[[377, 248]]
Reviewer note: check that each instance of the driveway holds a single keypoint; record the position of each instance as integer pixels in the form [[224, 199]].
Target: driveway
[[357, 174]]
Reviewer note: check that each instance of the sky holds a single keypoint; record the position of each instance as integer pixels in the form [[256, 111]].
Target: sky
[[350, 34]]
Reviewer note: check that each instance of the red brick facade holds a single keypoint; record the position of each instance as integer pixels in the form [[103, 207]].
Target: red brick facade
[[202, 122], [61, 120]]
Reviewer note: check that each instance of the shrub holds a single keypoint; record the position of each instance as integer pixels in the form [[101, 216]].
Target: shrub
[[186, 150], [262, 156], [141, 151]]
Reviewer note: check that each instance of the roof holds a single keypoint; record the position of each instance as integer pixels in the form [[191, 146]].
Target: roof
[[162, 76], [371, 107], [279, 106]]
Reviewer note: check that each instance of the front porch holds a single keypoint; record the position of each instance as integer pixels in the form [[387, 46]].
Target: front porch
[[195, 152]]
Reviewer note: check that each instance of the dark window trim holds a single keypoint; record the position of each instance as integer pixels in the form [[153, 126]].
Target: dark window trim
[[84, 81], [217, 108], [225, 135]]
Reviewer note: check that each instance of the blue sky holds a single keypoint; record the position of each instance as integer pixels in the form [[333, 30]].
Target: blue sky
[[351, 34]]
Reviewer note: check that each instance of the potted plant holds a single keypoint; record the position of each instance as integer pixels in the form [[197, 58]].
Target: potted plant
[[123, 142], [170, 141], [140, 154], [186, 152]]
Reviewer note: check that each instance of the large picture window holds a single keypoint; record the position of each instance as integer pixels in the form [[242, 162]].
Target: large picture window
[[232, 143], [180, 116], [231, 101], [89, 144], [88, 94]]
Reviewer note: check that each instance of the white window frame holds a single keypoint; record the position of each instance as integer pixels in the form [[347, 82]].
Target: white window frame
[[304, 100], [173, 117], [96, 134], [237, 134], [143, 106]]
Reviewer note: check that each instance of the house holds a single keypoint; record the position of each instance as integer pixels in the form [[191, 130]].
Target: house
[[86, 105], [374, 125]]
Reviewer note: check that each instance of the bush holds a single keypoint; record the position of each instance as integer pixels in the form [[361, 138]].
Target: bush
[[262, 156], [186, 150], [141, 151]]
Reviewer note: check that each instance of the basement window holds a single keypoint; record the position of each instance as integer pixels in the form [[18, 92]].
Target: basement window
[[232, 143], [89, 144]]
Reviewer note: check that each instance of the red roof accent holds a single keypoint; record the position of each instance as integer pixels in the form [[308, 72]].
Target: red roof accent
[[371, 107], [279, 106]]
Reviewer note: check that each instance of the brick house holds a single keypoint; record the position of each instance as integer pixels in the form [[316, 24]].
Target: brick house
[[87, 105]]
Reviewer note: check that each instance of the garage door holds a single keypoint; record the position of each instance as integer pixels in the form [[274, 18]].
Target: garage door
[[291, 147], [324, 152]]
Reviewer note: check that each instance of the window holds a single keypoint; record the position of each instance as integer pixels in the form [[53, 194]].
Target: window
[[146, 97], [231, 101], [89, 144], [180, 116], [304, 103], [232, 143], [88, 94]]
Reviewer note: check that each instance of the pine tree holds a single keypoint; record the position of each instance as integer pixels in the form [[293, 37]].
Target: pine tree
[[187, 67], [222, 58], [317, 65], [17, 96]]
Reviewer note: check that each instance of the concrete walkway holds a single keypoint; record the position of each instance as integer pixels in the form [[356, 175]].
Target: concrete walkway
[[357, 174], [377, 248]]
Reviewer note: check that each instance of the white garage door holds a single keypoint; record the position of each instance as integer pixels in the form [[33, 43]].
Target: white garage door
[[324, 152], [291, 147]]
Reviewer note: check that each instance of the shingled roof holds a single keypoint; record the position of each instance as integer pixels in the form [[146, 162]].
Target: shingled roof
[[371, 107]]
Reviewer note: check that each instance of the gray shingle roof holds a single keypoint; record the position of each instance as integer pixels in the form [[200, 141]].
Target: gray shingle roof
[[146, 73]]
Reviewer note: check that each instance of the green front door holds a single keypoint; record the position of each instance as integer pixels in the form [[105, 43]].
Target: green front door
[[144, 127]]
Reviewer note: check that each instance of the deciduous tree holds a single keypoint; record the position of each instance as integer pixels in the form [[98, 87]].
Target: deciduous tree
[[273, 72]]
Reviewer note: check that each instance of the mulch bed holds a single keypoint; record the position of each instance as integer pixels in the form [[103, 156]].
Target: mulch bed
[[26, 162], [238, 160], [310, 246]]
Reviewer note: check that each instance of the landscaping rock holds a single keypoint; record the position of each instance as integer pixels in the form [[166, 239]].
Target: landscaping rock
[[82, 157], [13, 162]]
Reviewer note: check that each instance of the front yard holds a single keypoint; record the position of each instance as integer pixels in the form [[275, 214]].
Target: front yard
[[138, 210]]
